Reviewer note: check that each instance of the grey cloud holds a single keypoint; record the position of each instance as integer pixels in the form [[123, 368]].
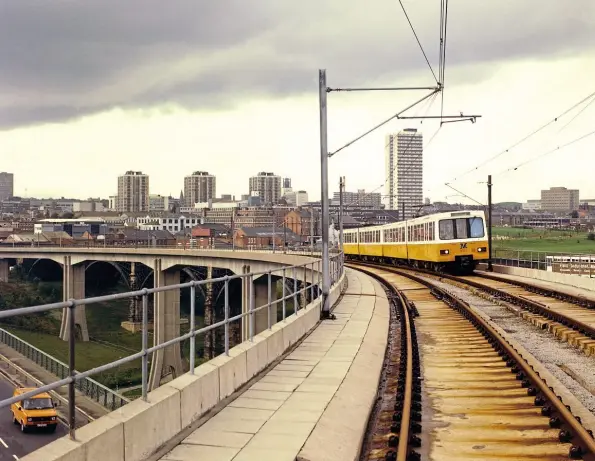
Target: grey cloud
[[64, 59]]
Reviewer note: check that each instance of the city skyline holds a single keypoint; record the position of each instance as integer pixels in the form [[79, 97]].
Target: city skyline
[[274, 115]]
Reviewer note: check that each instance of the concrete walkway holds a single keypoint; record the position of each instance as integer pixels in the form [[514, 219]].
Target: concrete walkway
[[314, 405]]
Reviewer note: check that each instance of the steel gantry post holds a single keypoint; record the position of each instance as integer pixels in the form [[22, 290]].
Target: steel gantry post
[[326, 308]]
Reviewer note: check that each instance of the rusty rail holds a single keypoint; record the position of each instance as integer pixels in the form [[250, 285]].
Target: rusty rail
[[404, 402]]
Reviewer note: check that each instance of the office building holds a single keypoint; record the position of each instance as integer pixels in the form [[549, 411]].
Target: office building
[[296, 198], [267, 186], [6, 186], [199, 187], [559, 199], [404, 171], [359, 198], [133, 192]]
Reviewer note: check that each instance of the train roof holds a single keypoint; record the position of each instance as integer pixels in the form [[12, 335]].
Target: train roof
[[424, 219]]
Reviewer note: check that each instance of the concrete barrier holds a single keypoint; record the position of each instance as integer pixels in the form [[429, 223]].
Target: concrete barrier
[[577, 281], [138, 429]]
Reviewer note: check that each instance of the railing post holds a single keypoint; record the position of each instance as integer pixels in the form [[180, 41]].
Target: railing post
[[319, 281], [312, 282], [226, 313], [295, 297], [270, 299], [283, 303], [192, 327], [252, 300], [71, 368], [145, 340]]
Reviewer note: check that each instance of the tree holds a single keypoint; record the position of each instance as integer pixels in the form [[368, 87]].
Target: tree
[[574, 214], [590, 236]]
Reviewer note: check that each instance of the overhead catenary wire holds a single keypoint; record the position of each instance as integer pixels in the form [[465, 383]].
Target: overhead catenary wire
[[522, 140], [418, 42], [579, 113], [442, 52], [563, 146]]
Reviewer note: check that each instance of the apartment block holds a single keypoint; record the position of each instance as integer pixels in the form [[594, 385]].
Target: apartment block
[[133, 192], [404, 171], [6, 186], [267, 186], [200, 186]]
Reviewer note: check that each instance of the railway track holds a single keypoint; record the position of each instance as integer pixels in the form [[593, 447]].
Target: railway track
[[453, 388], [569, 317]]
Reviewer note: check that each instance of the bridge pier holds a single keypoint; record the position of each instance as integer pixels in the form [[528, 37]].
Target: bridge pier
[[73, 287], [4, 270], [209, 351], [261, 295], [166, 361]]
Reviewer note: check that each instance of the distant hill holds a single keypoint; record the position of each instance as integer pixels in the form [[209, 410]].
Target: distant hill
[[508, 205]]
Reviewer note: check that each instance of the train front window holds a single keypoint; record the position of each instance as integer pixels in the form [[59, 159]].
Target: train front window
[[476, 228], [461, 228]]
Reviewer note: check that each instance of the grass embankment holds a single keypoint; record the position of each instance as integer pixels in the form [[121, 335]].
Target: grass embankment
[[548, 241]]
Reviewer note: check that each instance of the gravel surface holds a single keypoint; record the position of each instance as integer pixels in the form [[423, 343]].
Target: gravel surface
[[551, 352]]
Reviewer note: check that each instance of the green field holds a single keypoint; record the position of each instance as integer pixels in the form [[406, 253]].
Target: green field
[[548, 241]]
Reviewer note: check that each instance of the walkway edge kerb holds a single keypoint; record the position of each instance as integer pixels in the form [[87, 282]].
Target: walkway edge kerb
[[339, 433], [137, 430]]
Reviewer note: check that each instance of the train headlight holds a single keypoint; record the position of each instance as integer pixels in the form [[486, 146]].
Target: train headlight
[[444, 252], [482, 249]]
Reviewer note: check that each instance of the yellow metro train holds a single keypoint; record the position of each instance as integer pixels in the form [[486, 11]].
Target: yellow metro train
[[452, 242]]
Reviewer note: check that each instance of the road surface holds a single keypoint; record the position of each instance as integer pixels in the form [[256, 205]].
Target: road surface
[[13, 443]]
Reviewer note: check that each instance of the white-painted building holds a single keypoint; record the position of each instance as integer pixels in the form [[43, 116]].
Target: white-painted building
[[532, 205], [170, 223]]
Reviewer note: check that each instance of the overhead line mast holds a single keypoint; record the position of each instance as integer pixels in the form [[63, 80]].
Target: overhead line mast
[[324, 90]]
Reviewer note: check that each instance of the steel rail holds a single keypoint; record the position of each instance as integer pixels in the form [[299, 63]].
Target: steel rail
[[403, 445], [573, 299], [402, 450], [587, 443]]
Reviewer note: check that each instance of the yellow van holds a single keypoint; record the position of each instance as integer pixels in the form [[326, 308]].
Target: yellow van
[[36, 411]]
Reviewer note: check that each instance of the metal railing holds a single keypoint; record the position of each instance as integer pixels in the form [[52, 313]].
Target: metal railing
[[529, 259], [87, 386], [310, 272]]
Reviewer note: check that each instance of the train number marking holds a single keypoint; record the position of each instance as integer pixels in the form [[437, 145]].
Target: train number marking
[[463, 246]]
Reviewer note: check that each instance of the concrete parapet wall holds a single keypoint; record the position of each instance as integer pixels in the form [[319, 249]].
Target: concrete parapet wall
[[138, 429], [553, 277]]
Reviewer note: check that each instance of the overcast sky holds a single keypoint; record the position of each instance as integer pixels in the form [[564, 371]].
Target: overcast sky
[[90, 89]]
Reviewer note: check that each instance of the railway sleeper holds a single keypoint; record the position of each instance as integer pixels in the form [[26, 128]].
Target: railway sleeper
[[557, 419]]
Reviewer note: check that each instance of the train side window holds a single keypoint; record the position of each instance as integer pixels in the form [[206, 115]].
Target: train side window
[[446, 229]]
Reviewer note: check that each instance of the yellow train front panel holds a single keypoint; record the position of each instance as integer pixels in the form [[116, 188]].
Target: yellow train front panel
[[448, 251]]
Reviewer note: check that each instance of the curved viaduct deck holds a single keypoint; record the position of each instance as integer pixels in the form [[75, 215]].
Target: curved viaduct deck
[[232, 260]]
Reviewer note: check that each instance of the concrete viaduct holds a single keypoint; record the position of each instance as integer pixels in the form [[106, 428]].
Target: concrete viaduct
[[166, 265]]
